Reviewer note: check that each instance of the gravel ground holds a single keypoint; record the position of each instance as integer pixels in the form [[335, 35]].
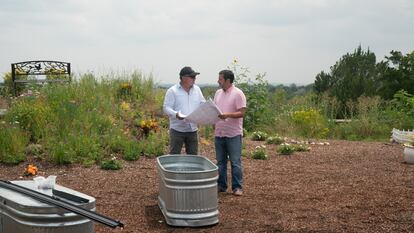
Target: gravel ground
[[342, 187]]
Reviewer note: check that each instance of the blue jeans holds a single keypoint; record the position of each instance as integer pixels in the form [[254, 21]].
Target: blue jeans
[[229, 148]]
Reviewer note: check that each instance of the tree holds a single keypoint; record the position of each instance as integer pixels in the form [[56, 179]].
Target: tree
[[323, 82], [354, 75], [397, 73]]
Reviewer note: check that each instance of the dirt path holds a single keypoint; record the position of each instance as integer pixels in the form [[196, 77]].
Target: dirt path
[[343, 187]]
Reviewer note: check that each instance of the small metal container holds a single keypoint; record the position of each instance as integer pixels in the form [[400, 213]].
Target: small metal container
[[188, 190], [22, 214]]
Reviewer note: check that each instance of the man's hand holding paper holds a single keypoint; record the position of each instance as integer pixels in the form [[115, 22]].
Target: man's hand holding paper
[[206, 114]]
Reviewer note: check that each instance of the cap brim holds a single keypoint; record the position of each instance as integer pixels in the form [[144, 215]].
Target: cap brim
[[192, 74]]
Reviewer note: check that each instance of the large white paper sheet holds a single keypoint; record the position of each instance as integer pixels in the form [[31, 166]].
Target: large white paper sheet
[[206, 114]]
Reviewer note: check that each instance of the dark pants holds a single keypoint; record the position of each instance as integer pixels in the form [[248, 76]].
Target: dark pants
[[189, 139]]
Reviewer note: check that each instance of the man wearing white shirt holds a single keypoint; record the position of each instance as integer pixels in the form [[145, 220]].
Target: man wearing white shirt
[[183, 97]]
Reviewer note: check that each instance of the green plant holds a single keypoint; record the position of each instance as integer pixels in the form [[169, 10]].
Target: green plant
[[58, 153], [285, 149], [276, 140], [310, 123], [111, 164], [31, 115], [256, 91], [12, 144], [155, 144], [85, 148], [133, 150], [124, 90], [259, 136], [301, 147], [117, 141], [35, 150], [260, 153]]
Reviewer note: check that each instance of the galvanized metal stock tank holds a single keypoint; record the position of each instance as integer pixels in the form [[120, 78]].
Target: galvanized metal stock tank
[[188, 190], [23, 214]]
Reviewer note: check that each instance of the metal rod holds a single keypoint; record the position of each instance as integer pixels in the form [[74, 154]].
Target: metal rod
[[53, 200]]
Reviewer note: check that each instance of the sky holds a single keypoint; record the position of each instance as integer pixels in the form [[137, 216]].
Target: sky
[[289, 40]]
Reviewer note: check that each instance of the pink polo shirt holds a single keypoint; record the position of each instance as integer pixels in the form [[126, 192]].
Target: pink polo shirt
[[229, 101]]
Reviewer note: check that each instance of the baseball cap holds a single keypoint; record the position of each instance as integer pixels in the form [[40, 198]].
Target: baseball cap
[[188, 71]]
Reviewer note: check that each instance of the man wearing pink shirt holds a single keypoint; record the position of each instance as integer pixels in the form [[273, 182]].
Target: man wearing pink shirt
[[228, 132]]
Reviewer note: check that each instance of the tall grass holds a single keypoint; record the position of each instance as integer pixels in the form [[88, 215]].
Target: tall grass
[[88, 120], [13, 142]]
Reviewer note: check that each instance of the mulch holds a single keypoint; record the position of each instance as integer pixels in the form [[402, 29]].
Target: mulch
[[342, 187]]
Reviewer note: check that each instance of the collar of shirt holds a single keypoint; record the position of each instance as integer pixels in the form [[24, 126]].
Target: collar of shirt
[[229, 89]]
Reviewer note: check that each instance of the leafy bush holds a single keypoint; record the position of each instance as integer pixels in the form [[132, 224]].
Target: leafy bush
[[256, 91], [58, 152], [116, 141], [111, 164], [84, 148], [301, 147], [259, 136], [260, 152], [13, 142], [285, 149], [133, 150], [35, 150], [276, 140], [310, 123], [155, 144], [31, 115]]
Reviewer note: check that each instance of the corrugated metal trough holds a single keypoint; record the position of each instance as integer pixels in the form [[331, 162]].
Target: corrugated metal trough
[[22, 214], [188, 190]]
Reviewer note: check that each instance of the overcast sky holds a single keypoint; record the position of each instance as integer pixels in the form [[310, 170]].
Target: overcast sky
[[290, 40]]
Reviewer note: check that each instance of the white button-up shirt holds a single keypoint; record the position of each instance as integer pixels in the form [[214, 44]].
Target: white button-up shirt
[[179, 100]]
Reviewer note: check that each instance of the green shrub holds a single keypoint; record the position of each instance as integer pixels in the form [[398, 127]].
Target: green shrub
[[116, 141], [111, 164], [244, 153], [276, 140], [58, 153], [154, 145], [85, 148], [13, 142], [310, 123], [256, 91], [133, 150], [260, 153], [301, 147], [285, 149], [259, 136], [35, 150], [31, 115]]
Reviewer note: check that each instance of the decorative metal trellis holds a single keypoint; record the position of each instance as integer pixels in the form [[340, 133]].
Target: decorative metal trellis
[[26, 68]]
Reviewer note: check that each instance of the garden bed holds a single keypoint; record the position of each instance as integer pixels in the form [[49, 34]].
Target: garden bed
[[341, 187]]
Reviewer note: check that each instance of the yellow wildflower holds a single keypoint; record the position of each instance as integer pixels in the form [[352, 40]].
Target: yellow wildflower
[[125, 106]]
